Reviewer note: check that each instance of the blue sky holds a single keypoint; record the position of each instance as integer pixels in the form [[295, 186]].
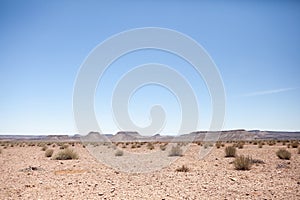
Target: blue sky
[[255, 45]]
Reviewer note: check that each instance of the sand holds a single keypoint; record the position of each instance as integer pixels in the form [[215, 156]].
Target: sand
[[27, 174]]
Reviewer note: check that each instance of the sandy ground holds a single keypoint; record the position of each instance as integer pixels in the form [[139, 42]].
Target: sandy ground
[[213, 177]]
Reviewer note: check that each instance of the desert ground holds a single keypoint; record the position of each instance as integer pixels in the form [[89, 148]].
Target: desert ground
[[26, 173]]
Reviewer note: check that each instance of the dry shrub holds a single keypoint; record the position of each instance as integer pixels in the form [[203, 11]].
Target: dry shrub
[[260, 145], [163, 147], [295, 144], [150, 146], [44, 148], [218, 145], [257, 161], [183, 168], [242, 163], [175, 151], [230, 151], [66, 154], [49, 152], [283, 154], [240, 145], [119, 153], [298, 150], [64, 146]]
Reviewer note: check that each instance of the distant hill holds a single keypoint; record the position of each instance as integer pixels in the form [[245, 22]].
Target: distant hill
[[130, 136]]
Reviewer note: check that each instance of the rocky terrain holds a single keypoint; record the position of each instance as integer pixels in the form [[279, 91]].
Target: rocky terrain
[[26, 173]]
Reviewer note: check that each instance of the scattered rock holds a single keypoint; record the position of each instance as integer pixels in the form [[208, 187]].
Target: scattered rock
[[29, 169], [233, 179]]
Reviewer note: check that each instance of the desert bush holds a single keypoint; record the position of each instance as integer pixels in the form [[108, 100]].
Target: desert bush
[[257, 161], [242, 163], [163, 147], [295, 144], [175, 151], [64, 146], [255, 143], [138, 145], [183, 168], [288, 145], [298, 150], [218, 145], [272, 142], [283, 154], [49, 152], [119, 153], [230, 151], [199, 143], [44, 148], [66, 154], [0, 151], [260, 145], [240, 145], [150, 146]]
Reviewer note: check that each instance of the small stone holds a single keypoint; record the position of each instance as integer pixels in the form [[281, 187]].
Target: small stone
[[100, 194], [233, 179]]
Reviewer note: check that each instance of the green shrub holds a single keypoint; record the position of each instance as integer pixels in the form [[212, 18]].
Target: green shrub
[[283, 154], [230, 151], [49, 152], [66, 154], [242, 163], [183, 168], [119, 153], [175, 151]]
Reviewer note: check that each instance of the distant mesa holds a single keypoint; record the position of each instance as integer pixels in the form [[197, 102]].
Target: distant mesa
[[132, 136]]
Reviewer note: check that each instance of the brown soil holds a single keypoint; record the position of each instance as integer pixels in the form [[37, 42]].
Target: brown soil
[[27, 174]]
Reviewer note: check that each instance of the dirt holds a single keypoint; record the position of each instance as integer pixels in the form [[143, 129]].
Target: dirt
[[213, 177]]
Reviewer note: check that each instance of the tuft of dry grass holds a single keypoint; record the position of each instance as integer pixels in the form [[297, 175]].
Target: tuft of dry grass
[[298, 150], [49, 152], [294, 144], [163, 147], [119, 153], [150, 146], [44, 148], [175, 151], [64, 146], [183, 168], [240, 145], [283, 154], [230, 151], [242, 163], [66, 154]]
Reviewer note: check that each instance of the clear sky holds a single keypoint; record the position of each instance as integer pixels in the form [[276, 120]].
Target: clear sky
[[255, 45]]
